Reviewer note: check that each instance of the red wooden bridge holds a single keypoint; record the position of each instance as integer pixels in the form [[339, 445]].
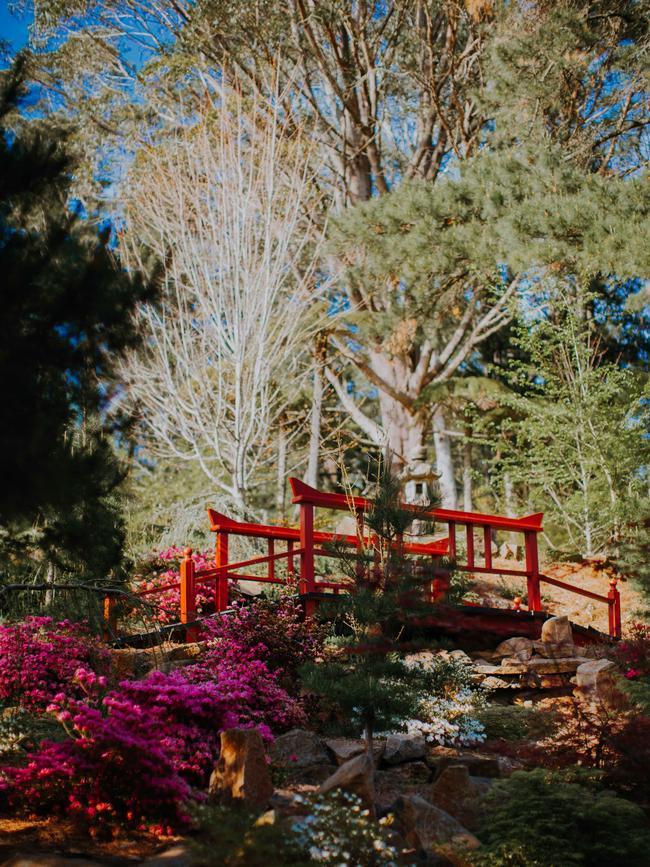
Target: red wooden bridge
[[468, 544]]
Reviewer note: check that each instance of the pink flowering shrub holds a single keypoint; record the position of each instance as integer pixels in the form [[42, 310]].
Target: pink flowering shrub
[[139, 754], [40, 659], [633, 653], [115, 770], [162, 568], [275, 629]]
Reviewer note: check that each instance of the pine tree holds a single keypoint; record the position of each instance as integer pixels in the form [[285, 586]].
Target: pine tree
[[365, 675], [67, 314]]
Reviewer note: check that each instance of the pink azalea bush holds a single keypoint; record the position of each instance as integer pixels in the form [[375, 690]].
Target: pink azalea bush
[[40, 658], [136, 755], [275, 629], [633, 653], [162, 568], [114, 770]]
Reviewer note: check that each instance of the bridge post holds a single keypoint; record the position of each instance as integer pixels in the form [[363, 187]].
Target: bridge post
[[110, 617], [188, 593], [221, 583], [614, 609], [532, 571], [307, 579]]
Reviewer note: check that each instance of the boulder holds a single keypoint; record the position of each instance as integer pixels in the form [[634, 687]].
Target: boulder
[[562, 665], [458, 794], [478, 765], [404, 748], [242, 772], [428, 828], [413, 778], [557, 630], [597, 681], [356, 776], [499, 683], [345, 748], [298, 749], [521, 648], [555, 649]]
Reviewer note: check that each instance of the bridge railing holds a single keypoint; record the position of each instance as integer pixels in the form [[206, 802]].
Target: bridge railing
[[469, 541]]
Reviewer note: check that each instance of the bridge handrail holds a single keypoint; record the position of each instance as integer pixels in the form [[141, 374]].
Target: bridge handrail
[[309, 539]]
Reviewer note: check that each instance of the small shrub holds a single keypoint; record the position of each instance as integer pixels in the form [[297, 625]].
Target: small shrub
[[162, 568], [515, 723], [633, 656], [332, 829], [274, 627], [450, 721], [140, 754], [39, 659], [552, 819], [337, 830], [113, 771]]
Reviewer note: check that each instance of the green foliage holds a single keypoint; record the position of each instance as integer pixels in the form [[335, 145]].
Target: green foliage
[[67, 310], [330, 829], [237, 837], [364, 673], [552, 819], [514, 723], [575, 440], [630, 556]]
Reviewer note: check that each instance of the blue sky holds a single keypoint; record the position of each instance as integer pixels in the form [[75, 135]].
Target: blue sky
[[13, 28]]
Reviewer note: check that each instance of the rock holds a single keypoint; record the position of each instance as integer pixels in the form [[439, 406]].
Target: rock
[[507, 766], [242, 772], [311, 775], [555, 649], [347, 748], [298, 749], [176, 856], [538, 665], [597, 681], [413, 778], [499, 683], [563, 665], [356, 776], [427, 827], [520, 648], [460, 656], [557, 630], [404, 748], [458, 794], [478, 765], [486, 670]]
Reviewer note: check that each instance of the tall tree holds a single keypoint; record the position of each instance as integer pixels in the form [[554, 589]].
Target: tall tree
[[397, 90], [67, 314], [578, 440], [222, 203]]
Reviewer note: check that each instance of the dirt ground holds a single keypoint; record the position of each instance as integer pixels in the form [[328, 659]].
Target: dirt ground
[[55, 836], [588, 575]]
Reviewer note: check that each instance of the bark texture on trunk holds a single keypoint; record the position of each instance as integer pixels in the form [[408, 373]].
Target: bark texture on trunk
[[444, 462], [311, 476]]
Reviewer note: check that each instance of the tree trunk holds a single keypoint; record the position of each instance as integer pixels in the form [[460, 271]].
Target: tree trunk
[[311, 476], [444, 462], [467, 476], [50, 580], [406, 432], [281, 480]]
